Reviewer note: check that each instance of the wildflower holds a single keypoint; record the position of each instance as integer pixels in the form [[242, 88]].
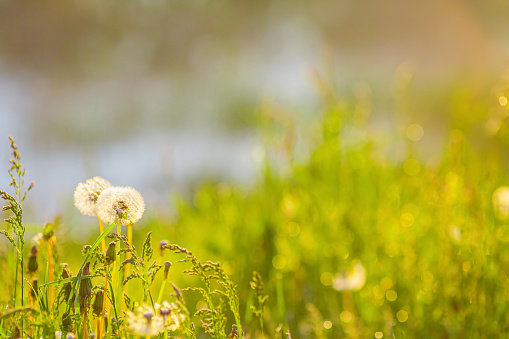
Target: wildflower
[[123, 203], [351, 280], [87, 194], [145, 322], [501, 201]]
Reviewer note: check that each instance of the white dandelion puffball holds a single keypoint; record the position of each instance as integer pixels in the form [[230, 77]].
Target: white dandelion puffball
[[123, 203], [87, 194], [351, 280], [145, 322]]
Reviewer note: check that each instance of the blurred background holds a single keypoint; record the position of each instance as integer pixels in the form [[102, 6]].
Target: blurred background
[[161, 94]]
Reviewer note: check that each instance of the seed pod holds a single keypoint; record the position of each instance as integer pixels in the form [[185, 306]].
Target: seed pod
[[148, 316], [85, 291], [98, 302], [16, 334], [234, 333], [33, 266], [67, 286], [66, 321], [111, 253], [35, 287], [167, 266]]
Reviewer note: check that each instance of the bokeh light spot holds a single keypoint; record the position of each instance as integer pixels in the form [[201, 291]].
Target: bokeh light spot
[[279, 262], [412, 167], [415, 132], [406, 219], [326, 278], [379, 335], [502, 100], [386, 283], [346, 316], [327, 324], [391, 295], [402, 316]]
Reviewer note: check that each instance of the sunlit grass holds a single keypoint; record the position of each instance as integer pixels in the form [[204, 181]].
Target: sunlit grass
[[346, 239]]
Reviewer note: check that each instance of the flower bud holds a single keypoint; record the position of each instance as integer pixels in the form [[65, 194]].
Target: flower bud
[[35, 287], [98, 302], [32, 260], [162, 245], [111, 253], [85, 290], [167, 266]]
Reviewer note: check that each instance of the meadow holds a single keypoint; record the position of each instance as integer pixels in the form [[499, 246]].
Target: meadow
[[348, 232]]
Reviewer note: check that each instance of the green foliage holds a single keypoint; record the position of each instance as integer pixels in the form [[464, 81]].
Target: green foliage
[[354, 235]]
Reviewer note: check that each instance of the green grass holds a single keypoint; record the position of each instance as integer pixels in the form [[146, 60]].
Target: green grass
[[434, 248]]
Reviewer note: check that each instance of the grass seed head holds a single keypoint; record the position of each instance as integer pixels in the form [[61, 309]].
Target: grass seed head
[[87, 194], [123, 203]]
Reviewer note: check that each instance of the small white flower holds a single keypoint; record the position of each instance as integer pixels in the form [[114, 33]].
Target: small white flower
[[87, 194], [123, 203], [351, 280]]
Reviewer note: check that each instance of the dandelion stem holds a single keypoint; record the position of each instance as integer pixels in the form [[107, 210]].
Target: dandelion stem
[[50, 268], [118, 285], [103, 243], [128, 255], [161, 291], [85, 325], [105, 300]]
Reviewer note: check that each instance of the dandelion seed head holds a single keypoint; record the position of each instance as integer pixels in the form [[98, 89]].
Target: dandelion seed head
[[144, 322], [124, 203], [87, 194], [171, 314]]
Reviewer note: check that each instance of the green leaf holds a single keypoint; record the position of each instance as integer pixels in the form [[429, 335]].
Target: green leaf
[[67, 280]]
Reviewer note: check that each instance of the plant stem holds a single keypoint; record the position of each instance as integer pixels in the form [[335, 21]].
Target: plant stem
[[103, 243], [85, 324], [50, 267], [105, 300], [120, 279]]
